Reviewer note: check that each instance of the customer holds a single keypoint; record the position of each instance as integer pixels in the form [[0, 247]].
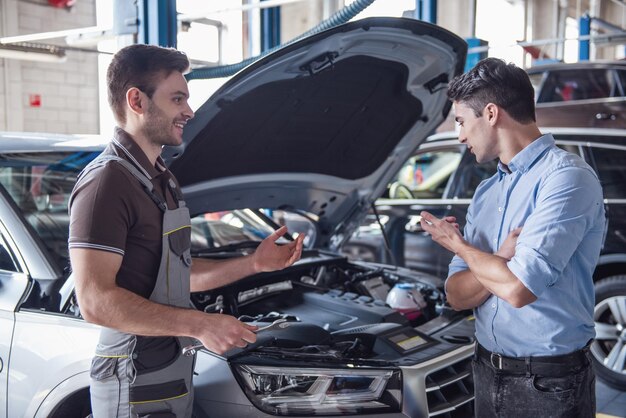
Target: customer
[[533, 298], [130, 249]]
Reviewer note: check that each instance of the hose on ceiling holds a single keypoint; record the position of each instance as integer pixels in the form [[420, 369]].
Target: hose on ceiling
[[340, 17]]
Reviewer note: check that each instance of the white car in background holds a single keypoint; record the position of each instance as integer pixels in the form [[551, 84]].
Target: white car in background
[[318, 129]]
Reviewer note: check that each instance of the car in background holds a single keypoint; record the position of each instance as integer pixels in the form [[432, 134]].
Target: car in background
[[441, 177], [587, 94], [275, 136], [584, 94]]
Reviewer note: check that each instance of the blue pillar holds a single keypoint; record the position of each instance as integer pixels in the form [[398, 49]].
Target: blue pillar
[[474, 57], [584, 29], [426, 10], [157, 22], [270, 28]]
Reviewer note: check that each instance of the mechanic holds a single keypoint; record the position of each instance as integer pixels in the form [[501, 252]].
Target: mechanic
[[543, 212], [130, 249]]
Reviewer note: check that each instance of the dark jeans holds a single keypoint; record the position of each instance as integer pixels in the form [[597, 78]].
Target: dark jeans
[[509, 396]]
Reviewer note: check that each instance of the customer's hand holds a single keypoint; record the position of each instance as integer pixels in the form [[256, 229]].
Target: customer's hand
[[507, 249], [269, 256], [444, 232]]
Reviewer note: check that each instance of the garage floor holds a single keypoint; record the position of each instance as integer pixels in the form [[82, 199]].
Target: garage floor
[[609, 402]]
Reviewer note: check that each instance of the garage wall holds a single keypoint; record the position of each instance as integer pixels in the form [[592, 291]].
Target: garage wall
[[49, 97]]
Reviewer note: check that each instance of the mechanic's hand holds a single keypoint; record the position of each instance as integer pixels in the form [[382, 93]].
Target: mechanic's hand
[[444, 232], [221, 333], [269, 256], [507, 249]]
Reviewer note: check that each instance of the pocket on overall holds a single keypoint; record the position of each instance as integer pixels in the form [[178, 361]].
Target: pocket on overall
[[160, 392], [105, 385], [155, 353], [179, 262], [102, 367]]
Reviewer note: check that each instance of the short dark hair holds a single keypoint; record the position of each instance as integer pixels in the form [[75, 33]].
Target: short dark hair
[[141, 66], [494, 81]]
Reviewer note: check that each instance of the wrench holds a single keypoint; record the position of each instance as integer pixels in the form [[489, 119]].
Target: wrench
[[190, 350]]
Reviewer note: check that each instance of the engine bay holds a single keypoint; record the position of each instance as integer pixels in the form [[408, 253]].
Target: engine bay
[[327, 309]]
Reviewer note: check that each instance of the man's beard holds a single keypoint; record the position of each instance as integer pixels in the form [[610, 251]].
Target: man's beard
[[158, 127]]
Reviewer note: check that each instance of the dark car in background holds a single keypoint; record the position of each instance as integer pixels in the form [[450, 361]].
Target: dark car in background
[[441, 177], [584, 94]]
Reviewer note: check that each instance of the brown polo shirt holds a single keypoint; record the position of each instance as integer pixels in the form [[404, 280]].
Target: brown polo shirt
[[111, 211]]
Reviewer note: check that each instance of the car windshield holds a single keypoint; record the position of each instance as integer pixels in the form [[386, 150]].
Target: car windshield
[[425, 175], [40, 185]]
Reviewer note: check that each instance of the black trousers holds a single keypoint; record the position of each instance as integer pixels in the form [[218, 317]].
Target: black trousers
[[503, 395]]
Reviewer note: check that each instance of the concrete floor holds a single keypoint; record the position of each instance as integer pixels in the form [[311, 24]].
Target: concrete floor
[[609, 402]]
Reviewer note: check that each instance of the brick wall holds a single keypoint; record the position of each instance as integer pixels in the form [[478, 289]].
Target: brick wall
[[68, 90]]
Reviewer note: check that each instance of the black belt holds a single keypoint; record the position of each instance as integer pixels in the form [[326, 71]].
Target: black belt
[[542, 365]]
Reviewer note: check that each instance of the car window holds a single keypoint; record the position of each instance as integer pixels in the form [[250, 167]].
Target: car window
[[425, 175], [297, 223], [211, 231], [621, 75], [563, 86], [7, 262], [470, 174], [40, 185], [611, 167], [569, 148], [535, 80]]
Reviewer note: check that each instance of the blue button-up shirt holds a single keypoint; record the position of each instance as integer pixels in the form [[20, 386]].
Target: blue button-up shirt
[[557, 198]]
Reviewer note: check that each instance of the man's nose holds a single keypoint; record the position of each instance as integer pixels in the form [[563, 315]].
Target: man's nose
[[188, 112]]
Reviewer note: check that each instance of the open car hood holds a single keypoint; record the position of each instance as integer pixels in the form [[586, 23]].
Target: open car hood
[[322, 125]]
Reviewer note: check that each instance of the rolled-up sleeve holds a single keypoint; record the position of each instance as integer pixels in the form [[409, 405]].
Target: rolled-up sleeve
[[567, 203]]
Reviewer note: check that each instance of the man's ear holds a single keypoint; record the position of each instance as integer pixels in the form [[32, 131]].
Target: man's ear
[[135, 100], [492, 113]]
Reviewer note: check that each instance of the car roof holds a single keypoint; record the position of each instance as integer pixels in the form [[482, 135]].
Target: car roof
[[17, 142], [587, 65], [615, 136]]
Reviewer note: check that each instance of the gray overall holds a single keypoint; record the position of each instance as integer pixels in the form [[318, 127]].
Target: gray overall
[[117, 389]]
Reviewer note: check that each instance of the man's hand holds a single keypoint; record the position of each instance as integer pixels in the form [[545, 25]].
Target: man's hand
[[507, 249], [221, 333], [269, 256], [444, 232]]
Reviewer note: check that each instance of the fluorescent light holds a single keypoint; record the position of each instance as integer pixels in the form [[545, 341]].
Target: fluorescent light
[[49, 35]]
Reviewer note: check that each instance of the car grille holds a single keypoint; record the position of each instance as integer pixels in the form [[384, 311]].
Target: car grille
[[450, 391]]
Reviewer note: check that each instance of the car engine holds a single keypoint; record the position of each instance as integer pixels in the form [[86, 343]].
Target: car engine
[[330, 309]]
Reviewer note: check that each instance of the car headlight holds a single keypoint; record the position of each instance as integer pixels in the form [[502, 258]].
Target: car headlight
[[303, 391]]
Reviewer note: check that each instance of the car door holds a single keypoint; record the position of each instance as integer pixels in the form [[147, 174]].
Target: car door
[[609, 162], [456, 199], [13, 284], [423, 183]]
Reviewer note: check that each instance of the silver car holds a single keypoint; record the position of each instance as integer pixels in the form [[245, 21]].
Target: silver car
[[314, 131]]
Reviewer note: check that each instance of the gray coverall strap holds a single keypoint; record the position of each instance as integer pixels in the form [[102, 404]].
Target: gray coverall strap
[[141, 177], [147, 183]]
